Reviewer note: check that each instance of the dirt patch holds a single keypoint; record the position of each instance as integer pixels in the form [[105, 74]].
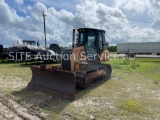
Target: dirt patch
[[94, 102], [11, 109], [7, 113], [11, 82], [67, 116]]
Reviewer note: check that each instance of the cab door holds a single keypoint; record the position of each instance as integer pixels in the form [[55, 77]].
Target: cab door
[[91, 46], [101, 42]]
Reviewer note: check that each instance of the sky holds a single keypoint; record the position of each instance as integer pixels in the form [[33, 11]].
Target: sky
[[123, 20]]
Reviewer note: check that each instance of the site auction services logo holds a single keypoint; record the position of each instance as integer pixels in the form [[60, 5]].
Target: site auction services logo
[[28, 56]]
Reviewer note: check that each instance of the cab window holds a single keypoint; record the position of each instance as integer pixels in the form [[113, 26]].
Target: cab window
[[100, 38]]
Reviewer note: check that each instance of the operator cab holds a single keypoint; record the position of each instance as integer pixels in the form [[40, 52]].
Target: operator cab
[[93, 41]]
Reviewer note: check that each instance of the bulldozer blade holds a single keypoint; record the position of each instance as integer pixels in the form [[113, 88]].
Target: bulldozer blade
[[57, 82]]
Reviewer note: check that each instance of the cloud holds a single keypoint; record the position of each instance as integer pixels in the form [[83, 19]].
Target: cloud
[[156, 25], [18, 1], [59, 23], [137, 5], [6, 16], [154, 12]]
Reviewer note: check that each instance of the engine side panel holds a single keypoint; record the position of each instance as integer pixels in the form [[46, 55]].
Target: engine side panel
[[78, 56]]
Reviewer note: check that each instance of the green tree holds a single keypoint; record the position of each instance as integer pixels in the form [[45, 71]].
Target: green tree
[[112, 48]]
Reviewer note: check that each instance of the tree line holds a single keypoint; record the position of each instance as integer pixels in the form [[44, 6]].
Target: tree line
[[110, 48]]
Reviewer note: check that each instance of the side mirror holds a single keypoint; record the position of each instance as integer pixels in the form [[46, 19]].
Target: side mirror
[[107, 44], [77, 35]]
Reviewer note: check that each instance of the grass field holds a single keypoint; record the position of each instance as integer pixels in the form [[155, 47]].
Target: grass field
[[133, 92]]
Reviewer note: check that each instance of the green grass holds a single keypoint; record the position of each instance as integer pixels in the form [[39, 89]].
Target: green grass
[[132, 105], [113, 52], [132, 92], [149, 67]]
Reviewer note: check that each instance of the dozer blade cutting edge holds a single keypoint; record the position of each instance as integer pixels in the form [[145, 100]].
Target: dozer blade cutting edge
[[60, 83]]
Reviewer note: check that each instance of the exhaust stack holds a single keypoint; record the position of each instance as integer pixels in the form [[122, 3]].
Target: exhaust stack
[[73, 38]]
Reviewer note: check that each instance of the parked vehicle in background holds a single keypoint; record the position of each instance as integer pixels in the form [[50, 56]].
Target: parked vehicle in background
[[31, 50], [139, 48], [1, 51]]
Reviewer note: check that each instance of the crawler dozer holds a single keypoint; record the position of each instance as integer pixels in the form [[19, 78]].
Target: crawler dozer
[[80, 65]]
